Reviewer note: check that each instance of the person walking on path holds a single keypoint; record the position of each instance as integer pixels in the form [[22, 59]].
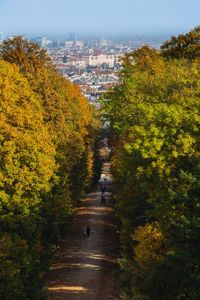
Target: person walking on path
[[84, 231], [88, 231], [103, 190], [103, 199]]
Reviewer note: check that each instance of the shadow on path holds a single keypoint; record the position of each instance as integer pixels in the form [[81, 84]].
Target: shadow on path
[[84, 268]]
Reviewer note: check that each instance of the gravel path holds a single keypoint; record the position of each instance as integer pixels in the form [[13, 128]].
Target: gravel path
[[84, 269]]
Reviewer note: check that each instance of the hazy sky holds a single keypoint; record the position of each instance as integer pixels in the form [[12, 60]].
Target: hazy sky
[[59, 17]]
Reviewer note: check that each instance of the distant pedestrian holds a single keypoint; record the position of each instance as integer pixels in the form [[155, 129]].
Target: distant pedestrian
[[103, 199], [88, 231], [84, 231], [103, 190]]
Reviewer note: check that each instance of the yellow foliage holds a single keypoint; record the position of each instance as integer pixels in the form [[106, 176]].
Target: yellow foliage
[[27, 153], [47, 135], [150, 247]]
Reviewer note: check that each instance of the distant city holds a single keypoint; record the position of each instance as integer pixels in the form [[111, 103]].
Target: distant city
[[92, 64]]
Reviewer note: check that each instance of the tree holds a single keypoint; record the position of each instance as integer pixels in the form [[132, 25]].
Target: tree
[[27, 166], [67, 115], [47, 137], [28, 56], [154, 120], [183, 46]]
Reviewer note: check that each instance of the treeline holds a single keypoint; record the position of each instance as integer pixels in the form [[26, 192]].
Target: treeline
[[155, 125], [48, 135]]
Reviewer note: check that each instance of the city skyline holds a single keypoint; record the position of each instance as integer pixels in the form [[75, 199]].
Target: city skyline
[[116, 18]]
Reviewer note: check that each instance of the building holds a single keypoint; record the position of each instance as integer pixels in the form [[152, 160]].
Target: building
[[42, 41], [1, 37], [79, 44], [69, 44], [103, 42], [101, 60]]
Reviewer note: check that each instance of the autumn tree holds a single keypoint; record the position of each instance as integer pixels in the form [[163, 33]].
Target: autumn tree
[[183, 46], [47, 143], [154, 120], [27, 55], [69, 118], [27, 166]]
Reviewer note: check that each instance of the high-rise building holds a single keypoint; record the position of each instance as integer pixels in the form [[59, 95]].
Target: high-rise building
[[72, 37], [1, 37]]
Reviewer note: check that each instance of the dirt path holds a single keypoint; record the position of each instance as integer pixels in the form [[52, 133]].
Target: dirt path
[[84, 269]]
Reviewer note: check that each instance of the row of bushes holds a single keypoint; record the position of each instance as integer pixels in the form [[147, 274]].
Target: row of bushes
[[154, 120], [48, 135]]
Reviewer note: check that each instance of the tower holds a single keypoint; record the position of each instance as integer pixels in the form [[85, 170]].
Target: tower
[[1, 37], [103, 42], [72, 37]]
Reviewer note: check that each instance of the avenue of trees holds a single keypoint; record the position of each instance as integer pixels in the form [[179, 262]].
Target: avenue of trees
[[48, 136], [154, 120]]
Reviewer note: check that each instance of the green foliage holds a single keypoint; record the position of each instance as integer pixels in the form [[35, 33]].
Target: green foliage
[[183, 46], [155, 122]]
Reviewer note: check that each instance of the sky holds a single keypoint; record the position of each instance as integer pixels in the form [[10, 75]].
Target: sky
[[107, 17]]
